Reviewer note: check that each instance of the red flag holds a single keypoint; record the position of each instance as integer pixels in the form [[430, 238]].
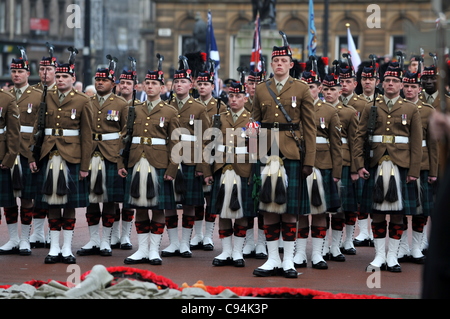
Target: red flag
[[255, 60]]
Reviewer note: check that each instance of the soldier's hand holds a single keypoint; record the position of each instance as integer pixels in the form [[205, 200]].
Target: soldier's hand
[[354, 177], [432, 179], [123, 172], [410, 179], [209, 180], [168, 178], [363, 173], [33, 167], [83, 175], [306, 171]]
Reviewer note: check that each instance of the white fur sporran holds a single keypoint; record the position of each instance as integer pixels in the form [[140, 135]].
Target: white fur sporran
[[17, 193], [272, 169], [144, 166], [309, 182], [97, 163], [387, 167], [229, 178], [57, 163]]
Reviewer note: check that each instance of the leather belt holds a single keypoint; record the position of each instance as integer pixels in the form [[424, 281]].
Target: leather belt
[[281, 126], [26, 129]]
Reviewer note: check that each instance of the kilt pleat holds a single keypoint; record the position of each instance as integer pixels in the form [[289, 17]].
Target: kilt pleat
[[348, 191], [332, 198], [7, 198], [427, 191], [194, 195], [29, 187], [409, 194]]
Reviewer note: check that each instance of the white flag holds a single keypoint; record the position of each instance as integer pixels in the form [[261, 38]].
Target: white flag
[[356, 60]]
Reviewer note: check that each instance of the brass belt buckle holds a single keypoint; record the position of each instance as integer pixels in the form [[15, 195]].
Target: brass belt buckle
[[388, 139], [97, 137], [57, 132], [146, 140]]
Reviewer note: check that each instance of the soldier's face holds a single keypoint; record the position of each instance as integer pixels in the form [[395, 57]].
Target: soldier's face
[[392, 86], [413, 66], [348, 86], [411, 91], [236, 101], [251, 85], [182, 87], [19, 77], [126, 87], [369, 84], [331, 94], [47, 74], [103, 86], [315, 90], [429, 83], [281, 65], [64, 82], [152, 88], [205, 88]]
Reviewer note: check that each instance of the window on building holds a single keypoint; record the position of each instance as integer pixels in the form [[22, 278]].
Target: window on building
[[18, 18], [2, 16], [398, 43], [342, 45]]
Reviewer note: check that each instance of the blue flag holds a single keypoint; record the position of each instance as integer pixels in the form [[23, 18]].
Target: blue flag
[[211, 46], [312, 39]]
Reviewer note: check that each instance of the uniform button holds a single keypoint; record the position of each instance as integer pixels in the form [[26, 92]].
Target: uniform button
[[98, 126], [231, 135], [276, 114], [145, 131], [146, 124], [148, 118], [58, 117], [389, 116], [99, 112], [57, 124], [388, 123], [98, 120], [388, 129], [59, 110]]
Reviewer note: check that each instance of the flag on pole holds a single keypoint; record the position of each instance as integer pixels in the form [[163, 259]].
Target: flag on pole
[[356, 60], [255, 60], [212, 52], [211, 46], [312, 39]]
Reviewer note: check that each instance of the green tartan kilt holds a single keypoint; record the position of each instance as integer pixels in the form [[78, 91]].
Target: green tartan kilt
[[332, 198], [194, 195], [246, 193], [348, 191], [297, 203], [29, 185], [114, 183], [7, 198], [166, 197], [427, 192], [78, 195], [409, 194]]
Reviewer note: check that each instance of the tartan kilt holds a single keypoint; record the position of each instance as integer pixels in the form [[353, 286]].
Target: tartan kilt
[[409, 194], [296, 205], [359, 185], [7, 198], [427, 191], [246, 193], [29, 186], [194, 195], [78, 195], [348, 191], [332, 198], [114, 183], [166, 198]]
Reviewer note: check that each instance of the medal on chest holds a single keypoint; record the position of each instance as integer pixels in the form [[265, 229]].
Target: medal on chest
[[29, 108], [73, 114], [322, 122], [191, 119], [404, 119], [294, 101], [161, 121]]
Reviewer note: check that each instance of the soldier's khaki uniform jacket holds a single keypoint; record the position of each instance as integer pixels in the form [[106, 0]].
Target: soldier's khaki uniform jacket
[[9, 129], [249, 105], [196, 111], [109, 118], [40, 86], [74, 113], [357, 102], [349, 119], [430, 148], [329, 154], [403, 121], [265, 110], [147, 126], [242, 168], [211, 107], [28, 107], [443, 145]]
